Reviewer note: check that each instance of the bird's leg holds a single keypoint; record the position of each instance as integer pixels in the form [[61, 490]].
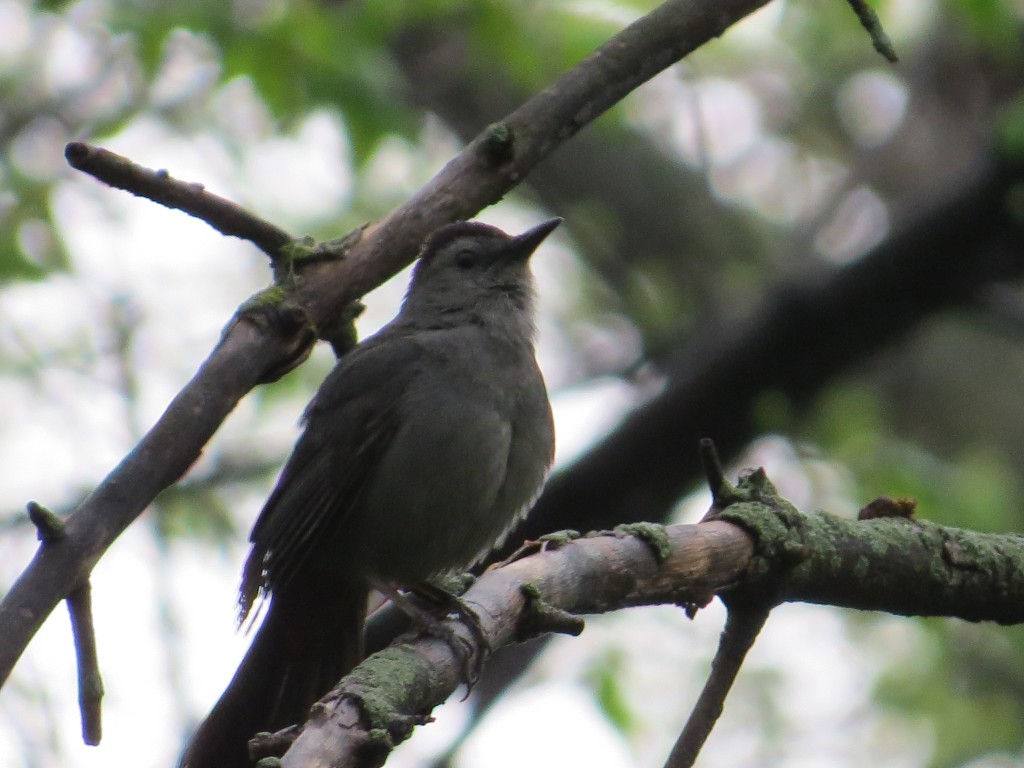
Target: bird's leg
[[427, 605]]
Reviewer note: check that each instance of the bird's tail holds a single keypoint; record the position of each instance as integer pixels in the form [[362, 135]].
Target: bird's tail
[[306, 643]]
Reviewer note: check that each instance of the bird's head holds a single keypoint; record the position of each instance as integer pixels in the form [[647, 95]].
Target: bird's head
[[469, 264]]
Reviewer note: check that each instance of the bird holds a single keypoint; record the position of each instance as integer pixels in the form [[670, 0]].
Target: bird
[[422, 448]]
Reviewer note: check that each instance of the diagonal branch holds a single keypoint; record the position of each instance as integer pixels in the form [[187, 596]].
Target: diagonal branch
[[225, 216], [869, 20], [161, 457], [741, 630], [480, 175]]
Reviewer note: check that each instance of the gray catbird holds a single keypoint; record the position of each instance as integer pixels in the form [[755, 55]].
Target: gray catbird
[[424, 445]]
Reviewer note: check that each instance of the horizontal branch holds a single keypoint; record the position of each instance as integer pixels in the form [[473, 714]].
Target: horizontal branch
[[480, 175], [909, 567], [758, 545], [587, 575], [886, 560]]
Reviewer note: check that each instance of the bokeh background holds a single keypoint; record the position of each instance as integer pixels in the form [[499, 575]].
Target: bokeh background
[[778, 157]]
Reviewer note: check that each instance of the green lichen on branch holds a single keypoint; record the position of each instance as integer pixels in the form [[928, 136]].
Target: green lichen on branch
[[299, 249], [913, 567], [275, 312], [297, 253], [274, 308], [269, 298], [557, 539], [892, 564], [293, 258], [549, 541], [341, 333], [498, 143], [540, 617], [455, 584], [777, 527], [651, 534], [383, 682]]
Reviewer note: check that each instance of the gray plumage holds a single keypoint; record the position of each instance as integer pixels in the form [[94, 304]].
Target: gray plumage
[[422, 448]]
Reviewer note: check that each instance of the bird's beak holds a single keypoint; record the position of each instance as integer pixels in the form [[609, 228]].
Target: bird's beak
[[525, 244]]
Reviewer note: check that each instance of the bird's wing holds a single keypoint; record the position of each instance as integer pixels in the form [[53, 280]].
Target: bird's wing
[[350, 423]]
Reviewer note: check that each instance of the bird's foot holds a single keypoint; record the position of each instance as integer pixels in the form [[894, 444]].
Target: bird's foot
[[428, 605]]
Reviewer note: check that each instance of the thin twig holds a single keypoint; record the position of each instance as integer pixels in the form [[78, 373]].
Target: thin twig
[[51, 531], [90, 683], [713, 472], [873, 25], [741, 629], [49, 527], [225, 216]]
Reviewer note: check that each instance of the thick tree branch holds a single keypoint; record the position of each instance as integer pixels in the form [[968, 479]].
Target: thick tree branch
[[589, 575], [895, 564], [759, 550], [480, 175]]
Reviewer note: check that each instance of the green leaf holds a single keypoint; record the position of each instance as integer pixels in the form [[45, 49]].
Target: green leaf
[[606, 680]]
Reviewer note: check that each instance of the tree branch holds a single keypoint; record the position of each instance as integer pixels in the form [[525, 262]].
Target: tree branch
[[758, 551], [481, 174], [589, 575], [90, 682], [742, 627], [160, 458], [225, 216], [873, 26]]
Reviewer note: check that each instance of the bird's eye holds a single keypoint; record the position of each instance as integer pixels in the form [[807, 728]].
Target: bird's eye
[[465, 259]]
